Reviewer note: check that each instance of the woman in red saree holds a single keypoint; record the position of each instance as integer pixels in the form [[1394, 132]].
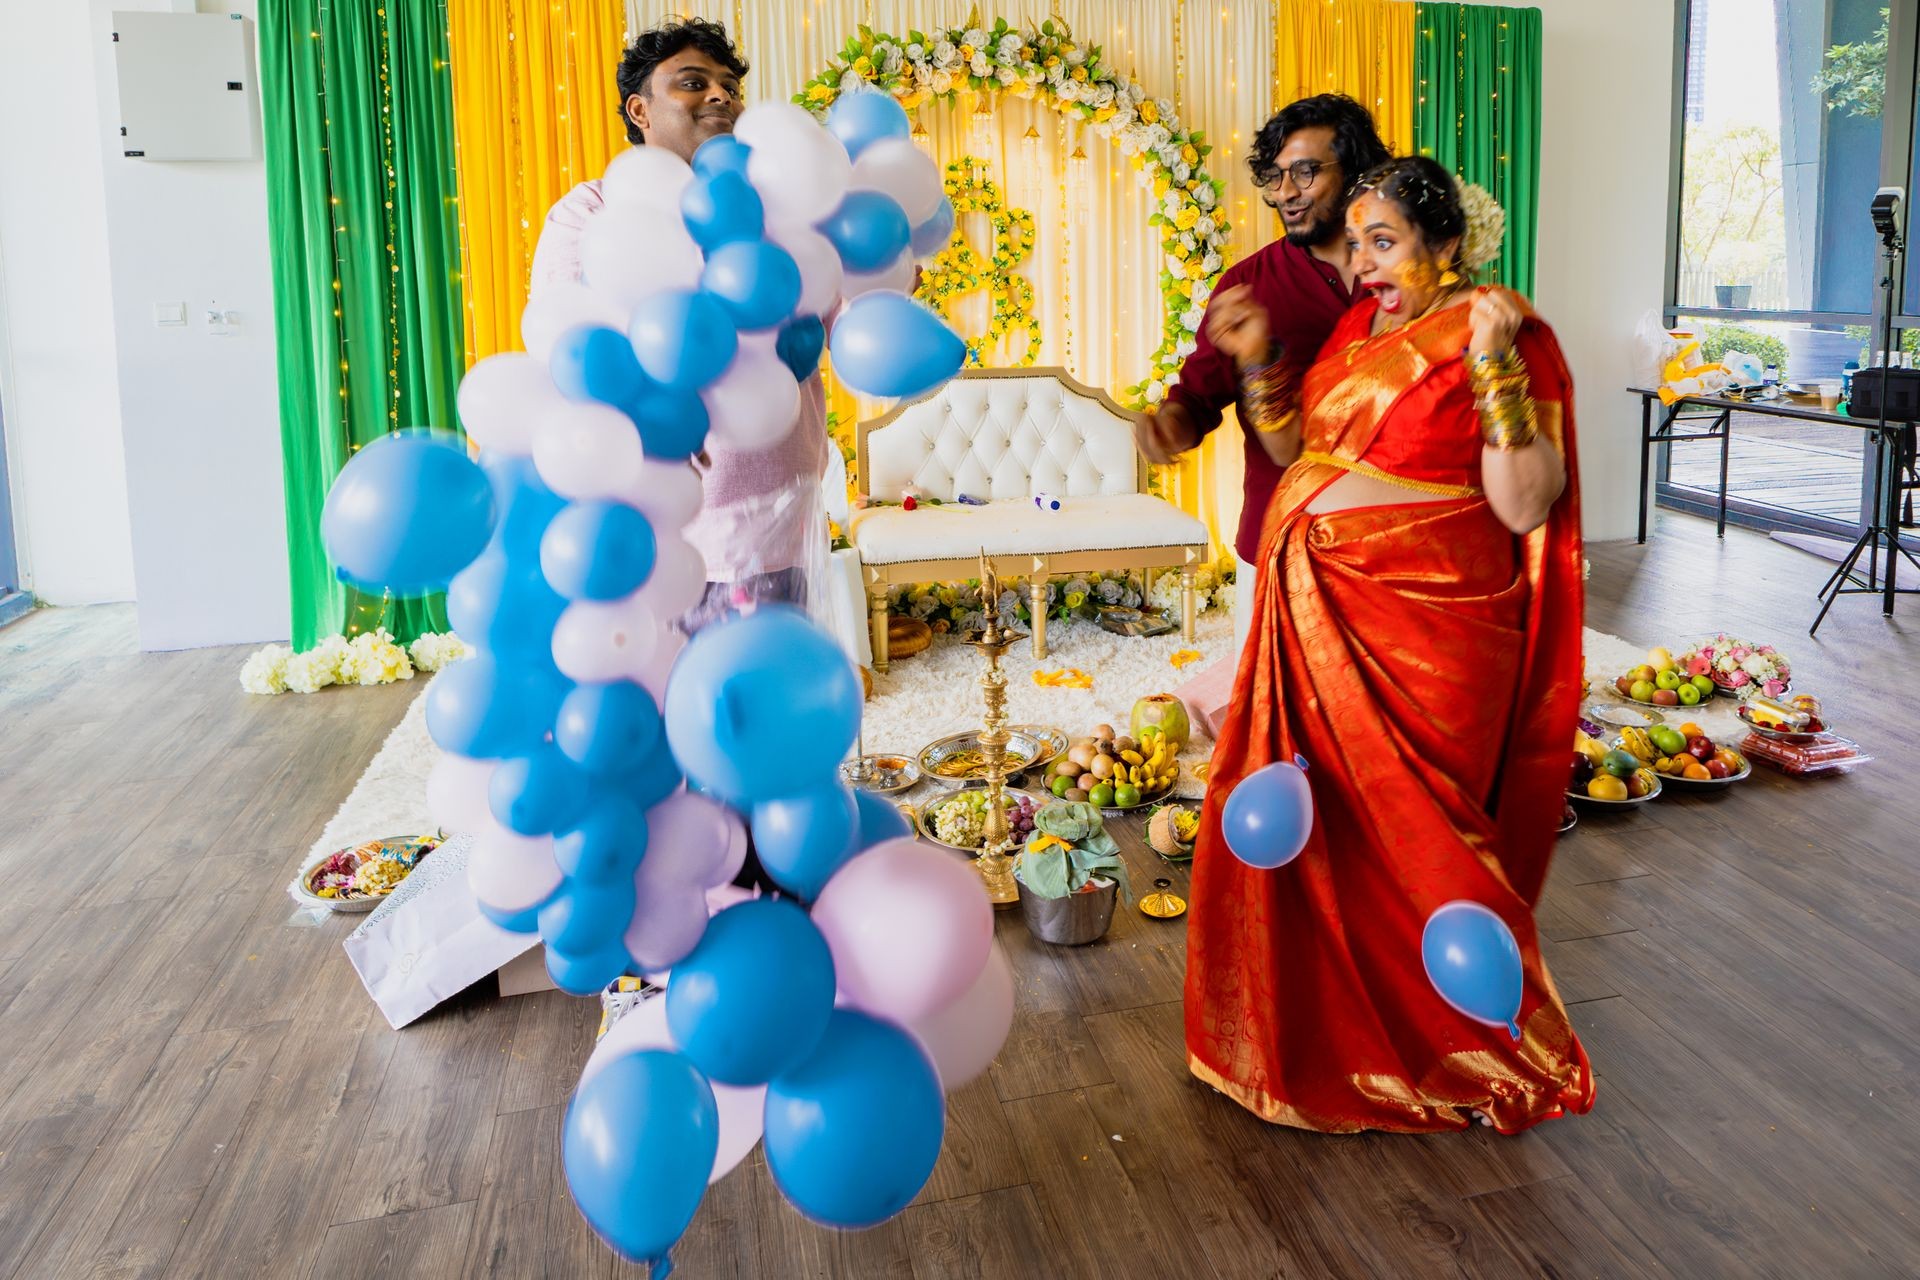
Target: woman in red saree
[[1416, 639]]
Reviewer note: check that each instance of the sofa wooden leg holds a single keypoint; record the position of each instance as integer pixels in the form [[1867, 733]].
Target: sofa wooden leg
[[1037, 606], [877, 610], [1186, 602]]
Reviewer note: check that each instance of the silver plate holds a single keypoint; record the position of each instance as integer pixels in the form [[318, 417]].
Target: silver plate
[[1053, 742], [1616, 714], [1796, 736], [1659, 785], [908, 773], [923, 817], [1021, 746]]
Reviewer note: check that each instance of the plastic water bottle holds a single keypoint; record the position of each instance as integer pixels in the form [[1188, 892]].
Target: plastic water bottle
[[1773, 376]]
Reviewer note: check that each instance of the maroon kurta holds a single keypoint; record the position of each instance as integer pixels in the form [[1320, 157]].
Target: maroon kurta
[[1304, 298]]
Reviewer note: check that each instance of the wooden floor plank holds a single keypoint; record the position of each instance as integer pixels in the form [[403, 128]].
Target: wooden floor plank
[[524, 1222], [402, 1245], [996, 1236]]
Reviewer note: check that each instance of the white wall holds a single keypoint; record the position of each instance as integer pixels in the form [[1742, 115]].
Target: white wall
[[57, 365], [200, 414], [1605, 139]]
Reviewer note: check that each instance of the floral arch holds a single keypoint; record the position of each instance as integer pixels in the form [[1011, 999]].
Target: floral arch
[[1045, 62]]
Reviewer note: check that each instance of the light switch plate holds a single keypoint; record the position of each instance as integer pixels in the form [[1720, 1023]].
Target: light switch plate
[[169, 314]]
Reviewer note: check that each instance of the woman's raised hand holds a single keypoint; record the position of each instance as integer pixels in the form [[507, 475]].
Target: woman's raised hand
[[1493, 320]]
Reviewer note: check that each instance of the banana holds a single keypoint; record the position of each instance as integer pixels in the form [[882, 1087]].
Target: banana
[[1639, 744], [1133, 757]]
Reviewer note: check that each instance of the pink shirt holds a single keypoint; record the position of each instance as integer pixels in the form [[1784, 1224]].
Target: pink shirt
[[762, 511]]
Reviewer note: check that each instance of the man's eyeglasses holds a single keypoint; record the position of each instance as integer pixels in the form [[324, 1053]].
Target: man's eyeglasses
[[1303, 173]]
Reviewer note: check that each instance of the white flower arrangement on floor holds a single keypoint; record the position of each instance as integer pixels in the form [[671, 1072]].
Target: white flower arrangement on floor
[[368, 659], [956, 606]]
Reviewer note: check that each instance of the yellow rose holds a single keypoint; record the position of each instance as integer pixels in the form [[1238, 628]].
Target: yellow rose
[[966, 53], [1051, 63], [1177, 249], [1078, 73], [1139, 162], [820, 93], [1149, 112], [1187, 216], [1160, 186], [863, 64], [1196, 268], [1103, 113], [1188, 154]]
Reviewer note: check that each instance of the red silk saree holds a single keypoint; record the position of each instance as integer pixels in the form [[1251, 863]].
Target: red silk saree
[[1425, 662]]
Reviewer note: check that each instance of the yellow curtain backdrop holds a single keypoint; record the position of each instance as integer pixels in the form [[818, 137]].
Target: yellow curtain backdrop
[[521, 65], [534, 113]]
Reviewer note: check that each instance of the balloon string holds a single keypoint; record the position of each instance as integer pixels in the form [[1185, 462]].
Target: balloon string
[[1513, 1029], [660, 1268]]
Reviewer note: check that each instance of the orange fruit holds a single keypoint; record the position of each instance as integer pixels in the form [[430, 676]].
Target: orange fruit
[[1693, 730], [1607, 787], [1697, 772]]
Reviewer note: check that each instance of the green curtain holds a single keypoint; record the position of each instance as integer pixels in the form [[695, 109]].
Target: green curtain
[[357, 104], [1477, 111]]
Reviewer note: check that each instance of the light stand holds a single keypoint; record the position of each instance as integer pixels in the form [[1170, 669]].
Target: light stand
[[1883, 521]]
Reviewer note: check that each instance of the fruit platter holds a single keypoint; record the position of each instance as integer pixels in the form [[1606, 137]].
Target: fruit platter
[[360, 878], [1116, 772], [1738, 667], [1793, 736], [1685, 757], [1796, 720], [1662, 682], [1609, 776], [959, 760], [958, 820]]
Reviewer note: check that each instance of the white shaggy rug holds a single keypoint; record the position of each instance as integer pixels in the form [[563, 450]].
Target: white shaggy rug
[[937, 692]]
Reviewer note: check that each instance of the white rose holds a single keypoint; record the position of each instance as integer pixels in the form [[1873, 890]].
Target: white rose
[[1182, 171], [975, 37], [1190, 319], [895, 57], [1175, 265], [1011, 44], [1185, 347], [1155, 392], [941, 82], [1202, 290], [1166, 108], [1006, 75], [1211, 263], [944, 54], [1158, 136], [1102, 95], [1204, 227], [981, 65], [1204, 196], [1170, 204], [1069, 91], [1188, 242], [1103, 128], [1057, 74], [1137, 92], [1078, 56], [851, 81], [916, 52]]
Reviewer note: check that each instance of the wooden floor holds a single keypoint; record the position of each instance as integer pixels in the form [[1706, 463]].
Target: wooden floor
[[190, 1086]]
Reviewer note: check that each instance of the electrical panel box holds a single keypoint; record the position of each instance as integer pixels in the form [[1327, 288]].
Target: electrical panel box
[[186, 86]]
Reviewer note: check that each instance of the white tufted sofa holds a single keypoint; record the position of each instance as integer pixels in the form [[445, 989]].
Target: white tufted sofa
[[1007, 435]]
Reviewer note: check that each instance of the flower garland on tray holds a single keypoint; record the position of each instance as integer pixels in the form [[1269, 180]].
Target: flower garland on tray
[[370, 658], [1046, 63], [956, 606]]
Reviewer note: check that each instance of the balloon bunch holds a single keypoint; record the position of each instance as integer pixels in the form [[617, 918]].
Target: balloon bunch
[[608, 768], [1469, 953]]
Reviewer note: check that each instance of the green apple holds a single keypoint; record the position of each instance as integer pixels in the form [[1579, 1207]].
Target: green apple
[[1670, 740], [1667, 678], [1642, 691], [1690, 695], [1704, 684]]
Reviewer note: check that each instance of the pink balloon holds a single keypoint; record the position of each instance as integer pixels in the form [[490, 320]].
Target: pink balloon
[[679, 577], [668, 919], [910, 928], [964, 1038], [645, 1027], [819, 263], [600, 640], [501, 399], [562, 305], [897, 277], [753, 404], [694, 840], [588, 451], [511, 872], [457, 793], [667, 493]]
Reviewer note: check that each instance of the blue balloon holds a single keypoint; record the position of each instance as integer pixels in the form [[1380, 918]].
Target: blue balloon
[[931, 236], [490, 708], [538, 793], [753, 998], [672, 421], [853, 1132], [684, 339], [722, 153], [585, 917], [525, 505], [886, 344], [608, 844], [527, 921], [740, 688], [639, 1144], [861, 119], [505, 607], [586, 973], [803, 839], [597, 551], [1474, 963], [593, 362], [721, 209], [407, 512], [757, 281], [651, 781], [799, 345], [1268, 816], [868, 229], [608, 728], [880, 820]]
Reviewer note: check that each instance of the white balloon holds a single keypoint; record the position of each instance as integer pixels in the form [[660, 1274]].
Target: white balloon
[[632, 252], [670, 927], [668, 494], [897, 167], [457, 793], [646, 177], [501, 399], [965, 1037], [896, 277], [511, 872], [562, 305], [754, 404], [741, 1109], [654, 674], [588, 450], [678, 580], [819, 263], [597, 641], [799, 169], [702, 840]]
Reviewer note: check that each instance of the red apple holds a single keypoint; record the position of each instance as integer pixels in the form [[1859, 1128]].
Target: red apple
[[1665, 698], [1718, 768], [1700, 748], [1625, 685]]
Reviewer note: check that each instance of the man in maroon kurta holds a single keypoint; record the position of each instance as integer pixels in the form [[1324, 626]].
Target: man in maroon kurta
[[1304, 160]]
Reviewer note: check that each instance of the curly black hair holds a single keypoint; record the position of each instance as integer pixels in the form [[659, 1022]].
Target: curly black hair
[[1424, 191], [1356, 142], [652, 47]]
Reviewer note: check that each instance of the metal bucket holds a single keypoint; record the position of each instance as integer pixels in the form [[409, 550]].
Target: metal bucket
[[1072, 921]]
